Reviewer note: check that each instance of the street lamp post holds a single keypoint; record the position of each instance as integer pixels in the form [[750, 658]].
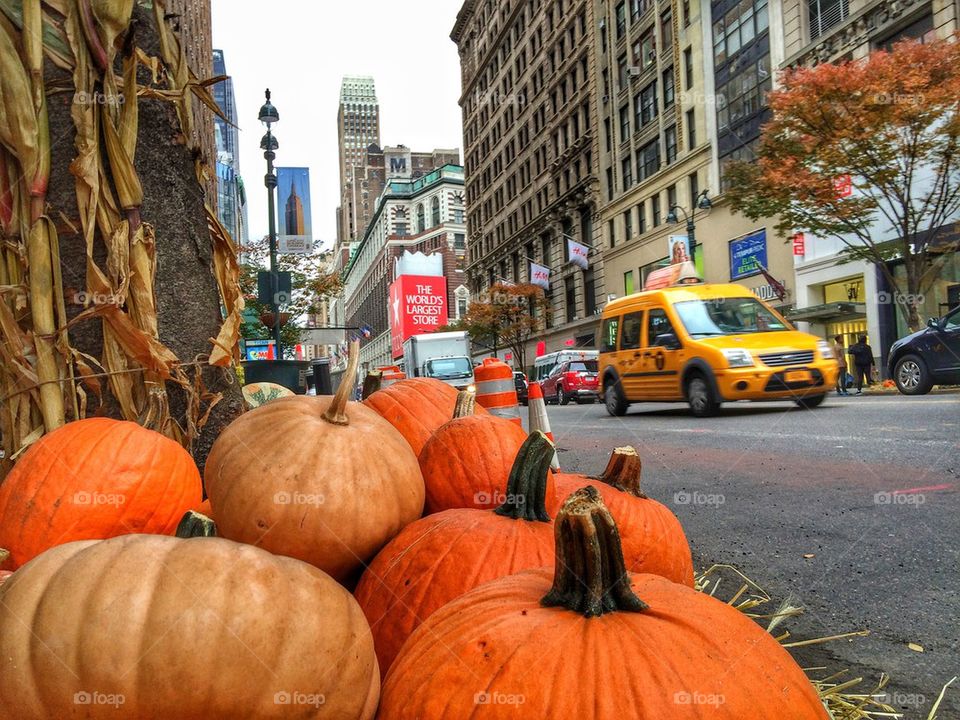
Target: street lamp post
[[269, 144], [701, 202]]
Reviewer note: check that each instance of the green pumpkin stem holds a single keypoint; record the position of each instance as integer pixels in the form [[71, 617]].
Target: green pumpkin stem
[[623, 471], [527, 486], [590, 577], [194, 524], [336, 413], [371, 383], [466, 404]]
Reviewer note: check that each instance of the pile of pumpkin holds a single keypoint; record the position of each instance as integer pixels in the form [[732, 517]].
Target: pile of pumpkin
[[354, 544]]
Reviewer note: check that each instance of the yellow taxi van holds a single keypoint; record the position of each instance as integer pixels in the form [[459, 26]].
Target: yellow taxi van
[[706, 344]]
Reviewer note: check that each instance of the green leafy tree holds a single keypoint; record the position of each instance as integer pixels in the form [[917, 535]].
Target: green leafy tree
[[890, 124]]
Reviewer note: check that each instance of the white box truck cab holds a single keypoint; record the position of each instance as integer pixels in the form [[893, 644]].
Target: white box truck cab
[[443, 356]]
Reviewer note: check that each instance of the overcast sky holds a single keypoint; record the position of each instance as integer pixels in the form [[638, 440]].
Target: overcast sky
[[405, 46]]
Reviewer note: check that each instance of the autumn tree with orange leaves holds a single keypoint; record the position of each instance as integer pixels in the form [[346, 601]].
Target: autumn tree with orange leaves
[[891, 123], [507, 316]]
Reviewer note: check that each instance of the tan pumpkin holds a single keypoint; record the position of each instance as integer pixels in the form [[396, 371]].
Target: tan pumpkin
[[320, 479], [154, 627]]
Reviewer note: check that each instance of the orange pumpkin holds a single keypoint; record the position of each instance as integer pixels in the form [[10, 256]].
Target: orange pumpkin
[[92, 479], [153, 628], [653, 539], [442, 556], [467, 461], [591, 640], [416, 407], [319, 479]]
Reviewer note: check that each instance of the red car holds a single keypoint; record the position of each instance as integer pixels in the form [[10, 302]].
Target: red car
[[572, 380]]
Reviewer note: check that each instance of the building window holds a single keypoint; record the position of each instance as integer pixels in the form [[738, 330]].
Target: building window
[[624, 123], [622, 70], [745, 21], [641, 218], [671, 197], [688, 68], [648, 51], [628, 282], [459, 241], [691, 129], [694, 182], [686, 13], [648, 103], [458, 216], [570, 293], [627, 225], [649, 159], [589, 292], [609, 183], [435, 212], [608, 134], [655, 203], [669, 93], [421, 219], [670, 143], [621, 20], [666, 30], [825, 14], [627, 172], [611, 232], [638, 8], [401, 229]]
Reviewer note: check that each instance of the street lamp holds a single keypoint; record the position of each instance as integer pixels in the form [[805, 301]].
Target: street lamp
[[702, 202], [269, 145]]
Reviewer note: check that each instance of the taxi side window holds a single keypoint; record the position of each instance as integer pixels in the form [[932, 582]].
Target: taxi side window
[[608, 335], [630, 336], [657, 324]]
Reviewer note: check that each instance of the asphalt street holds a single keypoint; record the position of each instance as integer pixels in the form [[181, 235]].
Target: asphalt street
[[850, 510]]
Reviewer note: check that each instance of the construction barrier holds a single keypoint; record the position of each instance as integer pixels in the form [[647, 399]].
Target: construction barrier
[[389, 375], [496, 390], [539, 420]]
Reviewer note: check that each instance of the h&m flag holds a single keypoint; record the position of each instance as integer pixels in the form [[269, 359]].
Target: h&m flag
[[540, 275], [578, 253], [777, 286]]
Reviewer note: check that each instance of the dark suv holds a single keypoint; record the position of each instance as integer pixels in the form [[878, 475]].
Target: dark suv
[[928, 357]]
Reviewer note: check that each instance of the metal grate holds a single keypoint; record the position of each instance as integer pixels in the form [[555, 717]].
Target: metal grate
[[825, 14], [796, 357]]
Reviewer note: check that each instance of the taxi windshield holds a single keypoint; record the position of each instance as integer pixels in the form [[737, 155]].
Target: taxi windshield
[[727, 316]]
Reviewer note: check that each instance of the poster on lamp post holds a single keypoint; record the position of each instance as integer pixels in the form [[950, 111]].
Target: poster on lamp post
[[294, 227]]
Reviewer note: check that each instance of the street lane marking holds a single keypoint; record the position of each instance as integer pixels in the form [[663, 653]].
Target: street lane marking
[[915, 491]]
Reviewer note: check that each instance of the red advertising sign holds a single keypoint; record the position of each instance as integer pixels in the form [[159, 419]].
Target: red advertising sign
[[799, 244], [418, 304], [843, 185]]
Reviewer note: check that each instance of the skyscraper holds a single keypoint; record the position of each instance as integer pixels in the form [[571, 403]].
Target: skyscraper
[[358, 127], [293, 213]]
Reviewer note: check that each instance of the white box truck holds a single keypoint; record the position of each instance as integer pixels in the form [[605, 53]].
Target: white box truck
[[444, 356]]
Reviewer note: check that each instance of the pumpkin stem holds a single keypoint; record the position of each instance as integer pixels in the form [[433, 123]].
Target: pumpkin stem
[[623, 471], [194, 524], [590, 577], [527, 486], [4, 556], [336, 412], [371, 383], [466, 404]]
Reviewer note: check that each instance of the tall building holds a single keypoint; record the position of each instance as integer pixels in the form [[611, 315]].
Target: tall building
[[836, 296], [358, 127], [422, 215], [293, 212], [231, 194]]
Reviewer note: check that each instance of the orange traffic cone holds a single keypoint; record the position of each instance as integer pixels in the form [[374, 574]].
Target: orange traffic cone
[[539, 419]]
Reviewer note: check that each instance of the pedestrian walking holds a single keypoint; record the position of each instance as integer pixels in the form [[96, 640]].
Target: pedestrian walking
[[862, 355], [841, 356]]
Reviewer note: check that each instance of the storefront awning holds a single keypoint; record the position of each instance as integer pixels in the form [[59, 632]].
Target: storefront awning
[[828, 311]]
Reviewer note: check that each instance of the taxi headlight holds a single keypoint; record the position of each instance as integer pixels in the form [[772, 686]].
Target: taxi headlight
[[738, 357]]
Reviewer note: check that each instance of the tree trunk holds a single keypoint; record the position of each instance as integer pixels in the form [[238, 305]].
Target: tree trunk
[[187, 296]]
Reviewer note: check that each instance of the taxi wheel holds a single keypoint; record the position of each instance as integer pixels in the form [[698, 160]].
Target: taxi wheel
[[613, 399], [701, 398], [811, 402]]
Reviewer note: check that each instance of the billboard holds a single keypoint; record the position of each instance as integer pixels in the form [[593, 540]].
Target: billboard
[[748, 254], [418, 304], [294, 226]]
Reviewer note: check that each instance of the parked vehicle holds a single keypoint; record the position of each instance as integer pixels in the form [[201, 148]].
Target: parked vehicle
[[706, 344], [928, 357], [520, 381], [444, 356], [568, 375]]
